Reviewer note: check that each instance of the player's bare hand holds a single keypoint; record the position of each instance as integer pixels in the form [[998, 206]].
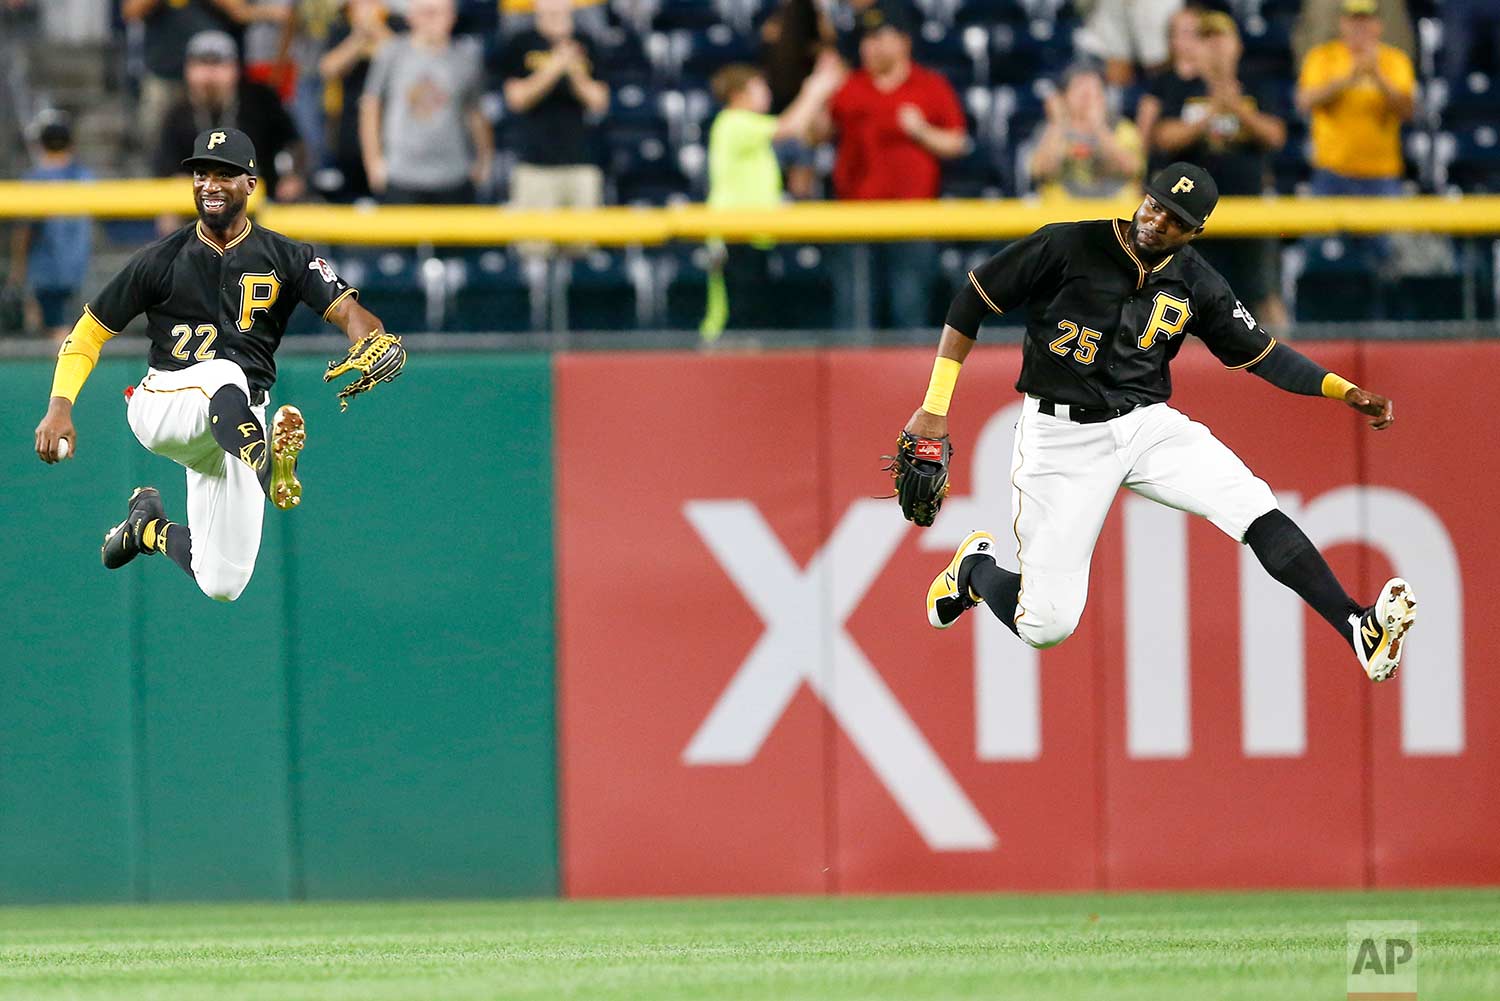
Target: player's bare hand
[[1372, 405], [925, 425], [57, 425]]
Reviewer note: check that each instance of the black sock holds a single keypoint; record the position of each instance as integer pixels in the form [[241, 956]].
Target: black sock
[[999, 587], [172, 540], [1290, 557], [238, 432]]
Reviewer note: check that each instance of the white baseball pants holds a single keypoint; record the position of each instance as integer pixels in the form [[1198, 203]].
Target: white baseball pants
[[1064, 477], [169, 414]]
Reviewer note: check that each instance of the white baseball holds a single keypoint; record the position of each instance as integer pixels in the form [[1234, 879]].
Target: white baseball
[[63, 448]]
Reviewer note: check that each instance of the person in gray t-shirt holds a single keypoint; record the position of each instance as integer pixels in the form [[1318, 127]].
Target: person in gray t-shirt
[[423, 136]]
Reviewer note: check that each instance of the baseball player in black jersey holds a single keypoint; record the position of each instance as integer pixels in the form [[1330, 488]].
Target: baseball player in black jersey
[[1109, 303], [217, 296]]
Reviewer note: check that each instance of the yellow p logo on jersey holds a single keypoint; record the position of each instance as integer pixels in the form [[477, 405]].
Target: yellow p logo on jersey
[[257, 292], [1182, 186], [1169, 315], [220, 137]]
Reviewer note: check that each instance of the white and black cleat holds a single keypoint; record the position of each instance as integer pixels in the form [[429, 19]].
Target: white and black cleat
[[123, 542], [1380, 631]]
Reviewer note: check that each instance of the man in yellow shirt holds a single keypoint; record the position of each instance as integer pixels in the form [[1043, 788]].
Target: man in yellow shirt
[[1358, 91]]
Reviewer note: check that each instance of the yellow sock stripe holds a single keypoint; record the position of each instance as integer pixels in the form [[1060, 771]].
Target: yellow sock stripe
[[940, 388], [1336, 387]]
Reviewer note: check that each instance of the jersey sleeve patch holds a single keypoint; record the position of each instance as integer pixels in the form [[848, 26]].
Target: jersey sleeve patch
[[324, 270]]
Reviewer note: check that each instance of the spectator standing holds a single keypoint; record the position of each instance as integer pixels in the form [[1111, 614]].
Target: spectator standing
[[1318, 22], [50, 258], [265, 22], [1126, 34], [305, 38], [218, 95], [1185, 46], [1230, 128], [423, 136], [1358, 91], [791, 37], [896, 122], [1082, 150], [551, 88], [743, 173], [168, 24], [354, 39]]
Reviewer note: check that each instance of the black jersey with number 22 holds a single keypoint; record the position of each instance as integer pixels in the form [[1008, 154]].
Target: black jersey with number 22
[[202, 303], [1102, 325]]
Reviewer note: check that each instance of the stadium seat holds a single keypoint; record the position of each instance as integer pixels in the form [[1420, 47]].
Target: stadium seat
[[489, 290], [675, 15], [605, 290], [1476, 161], [1336, 284], [680, 280], [805, 281], [698, 55], [390, 285], [987, 13], [943, 49], [647, 173], [1426, 297], [622, 59]]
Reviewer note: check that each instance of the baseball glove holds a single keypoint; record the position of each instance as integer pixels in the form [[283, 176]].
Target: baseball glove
[[920, 471], [377, 357]]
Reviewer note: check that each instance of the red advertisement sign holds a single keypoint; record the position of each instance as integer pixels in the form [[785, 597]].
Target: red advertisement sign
[[752, 701]]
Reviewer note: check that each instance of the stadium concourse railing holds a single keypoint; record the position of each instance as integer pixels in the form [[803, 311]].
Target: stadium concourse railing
[[1473, 220]]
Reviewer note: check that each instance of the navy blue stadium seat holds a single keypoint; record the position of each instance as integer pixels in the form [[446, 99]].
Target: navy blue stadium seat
[[489, 291], [389, 285], [701, 54], [1476, 161], [989, 12], [1336, 284], [622, 59], [601, 292], [681, 278], [1426, 297], [973, 175], [647, 173], [674, 15], [804, 282]]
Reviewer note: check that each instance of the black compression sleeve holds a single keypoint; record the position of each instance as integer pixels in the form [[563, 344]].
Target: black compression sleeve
[[1289, 369], [967, 312]]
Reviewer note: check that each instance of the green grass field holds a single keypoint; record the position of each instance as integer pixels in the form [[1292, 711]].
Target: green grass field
[[1259, 946]]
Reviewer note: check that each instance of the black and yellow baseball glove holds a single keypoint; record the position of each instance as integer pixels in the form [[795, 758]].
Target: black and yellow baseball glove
[[920, 471], [377, 357]]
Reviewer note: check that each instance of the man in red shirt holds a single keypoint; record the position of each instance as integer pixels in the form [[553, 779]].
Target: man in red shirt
[[896, 121]]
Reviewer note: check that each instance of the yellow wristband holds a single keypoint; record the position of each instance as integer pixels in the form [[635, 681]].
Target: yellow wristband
[[940, 389], [1335, 387]]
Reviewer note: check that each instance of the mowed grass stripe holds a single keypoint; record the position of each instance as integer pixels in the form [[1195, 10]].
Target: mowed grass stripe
[[1159, 947]]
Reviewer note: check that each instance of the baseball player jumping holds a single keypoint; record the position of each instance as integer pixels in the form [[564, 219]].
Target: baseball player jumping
[[217, 296], [1109, 305]]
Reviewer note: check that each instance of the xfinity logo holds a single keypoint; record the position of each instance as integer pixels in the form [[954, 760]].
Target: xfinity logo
[[805, 641]]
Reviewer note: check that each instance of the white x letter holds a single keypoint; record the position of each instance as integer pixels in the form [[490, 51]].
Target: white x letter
[[793, 604]]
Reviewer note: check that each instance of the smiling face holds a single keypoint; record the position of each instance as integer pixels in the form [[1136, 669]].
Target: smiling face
[[221, 194], [1156, 232]]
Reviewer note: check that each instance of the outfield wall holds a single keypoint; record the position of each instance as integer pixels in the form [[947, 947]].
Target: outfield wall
[[375, 718]]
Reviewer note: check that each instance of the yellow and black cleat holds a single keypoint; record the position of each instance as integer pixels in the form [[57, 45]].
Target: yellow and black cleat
[[945, 601], [288, 436]]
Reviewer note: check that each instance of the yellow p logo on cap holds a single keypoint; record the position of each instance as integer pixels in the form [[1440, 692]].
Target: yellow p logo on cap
[[220, 137], [1183, 184]]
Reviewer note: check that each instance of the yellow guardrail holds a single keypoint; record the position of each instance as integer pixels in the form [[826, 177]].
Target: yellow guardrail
[[955, 219]]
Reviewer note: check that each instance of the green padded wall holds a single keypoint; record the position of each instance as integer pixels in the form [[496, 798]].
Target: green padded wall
[[373, 717]]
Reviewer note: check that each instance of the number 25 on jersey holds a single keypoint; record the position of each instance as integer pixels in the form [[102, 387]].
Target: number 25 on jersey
[[1088, 342]]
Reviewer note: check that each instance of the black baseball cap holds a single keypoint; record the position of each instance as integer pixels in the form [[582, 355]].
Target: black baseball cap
[[222, 148], [894, 14], [1186, 190]]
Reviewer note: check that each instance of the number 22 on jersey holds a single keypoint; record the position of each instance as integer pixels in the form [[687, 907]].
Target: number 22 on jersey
[[185, 350]]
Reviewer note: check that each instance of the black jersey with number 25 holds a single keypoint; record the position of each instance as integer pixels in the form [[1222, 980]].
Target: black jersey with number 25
[[203, 303], [1102, 326]]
